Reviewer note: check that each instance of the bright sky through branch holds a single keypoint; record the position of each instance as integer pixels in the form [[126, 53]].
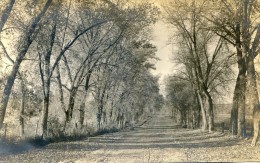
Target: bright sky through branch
[[160, 38]]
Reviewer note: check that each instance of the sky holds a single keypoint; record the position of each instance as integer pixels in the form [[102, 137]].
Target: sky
[[161, 33], [160, 38]]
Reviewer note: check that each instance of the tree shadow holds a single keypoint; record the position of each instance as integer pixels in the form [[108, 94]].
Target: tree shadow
[[139, 138], [183, 139]]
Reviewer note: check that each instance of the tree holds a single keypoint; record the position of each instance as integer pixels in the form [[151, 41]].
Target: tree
[[24, 46], [49, 69], [181, 98], [79, 56], [237, 22], [206, 70]]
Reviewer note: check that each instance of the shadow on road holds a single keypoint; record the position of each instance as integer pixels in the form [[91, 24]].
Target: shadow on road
[[158, 132]]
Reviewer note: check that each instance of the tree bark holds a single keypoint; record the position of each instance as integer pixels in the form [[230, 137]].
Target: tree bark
[[45, 117], [241, 94], [238, 105], [234, 110], [239, 113], [101, 106], [210, 111], [253, 97], [82, 106], [82, 110], [61, 90], [203, 111], [71, 104], [21, 118], [46, 79]]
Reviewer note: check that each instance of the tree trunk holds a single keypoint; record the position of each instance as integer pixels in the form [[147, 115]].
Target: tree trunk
[[21, 119], [249, 49], [104, 118], [241, 121], [47, 81], [234, 117], [24, 48], [82, 110], [210, 111], [234, 112], [253, 97], [82, 106], [10, 83], [237, 123], [203, 112], [71, 104], [61, 94], [182, 118], [101, 104], [6, 14], [45, 117]]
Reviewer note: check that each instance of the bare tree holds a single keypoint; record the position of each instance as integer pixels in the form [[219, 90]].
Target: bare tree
[[238, 24], [206, 70], [81, 54]]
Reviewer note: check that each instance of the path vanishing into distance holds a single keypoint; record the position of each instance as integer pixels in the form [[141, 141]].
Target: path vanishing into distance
[[157, 140]]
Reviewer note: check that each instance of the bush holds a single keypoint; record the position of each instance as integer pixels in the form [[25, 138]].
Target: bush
[[106, 131]]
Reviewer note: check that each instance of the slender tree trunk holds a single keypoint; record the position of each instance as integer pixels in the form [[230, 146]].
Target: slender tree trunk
[[46, 100], [71, 104], [21, 119], [210, 111], [6, 14], [47, 80], [24, 48], [198, 118], [10, 83], [61, 94], [182, 118], [82, 106], [82, 110], [203, 112], [45, 117], [101, 104], [104, 118], [172, 112]]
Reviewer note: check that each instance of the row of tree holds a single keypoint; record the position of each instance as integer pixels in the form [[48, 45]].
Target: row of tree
[[212, 36], [77, 57]]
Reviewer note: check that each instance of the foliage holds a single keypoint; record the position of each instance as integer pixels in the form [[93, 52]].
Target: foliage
[[87, 59]]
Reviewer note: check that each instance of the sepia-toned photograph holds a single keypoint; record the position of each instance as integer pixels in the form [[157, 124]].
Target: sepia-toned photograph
[[129, 81]]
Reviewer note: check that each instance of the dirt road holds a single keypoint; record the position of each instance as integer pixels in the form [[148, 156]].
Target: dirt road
[[158, 140]]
